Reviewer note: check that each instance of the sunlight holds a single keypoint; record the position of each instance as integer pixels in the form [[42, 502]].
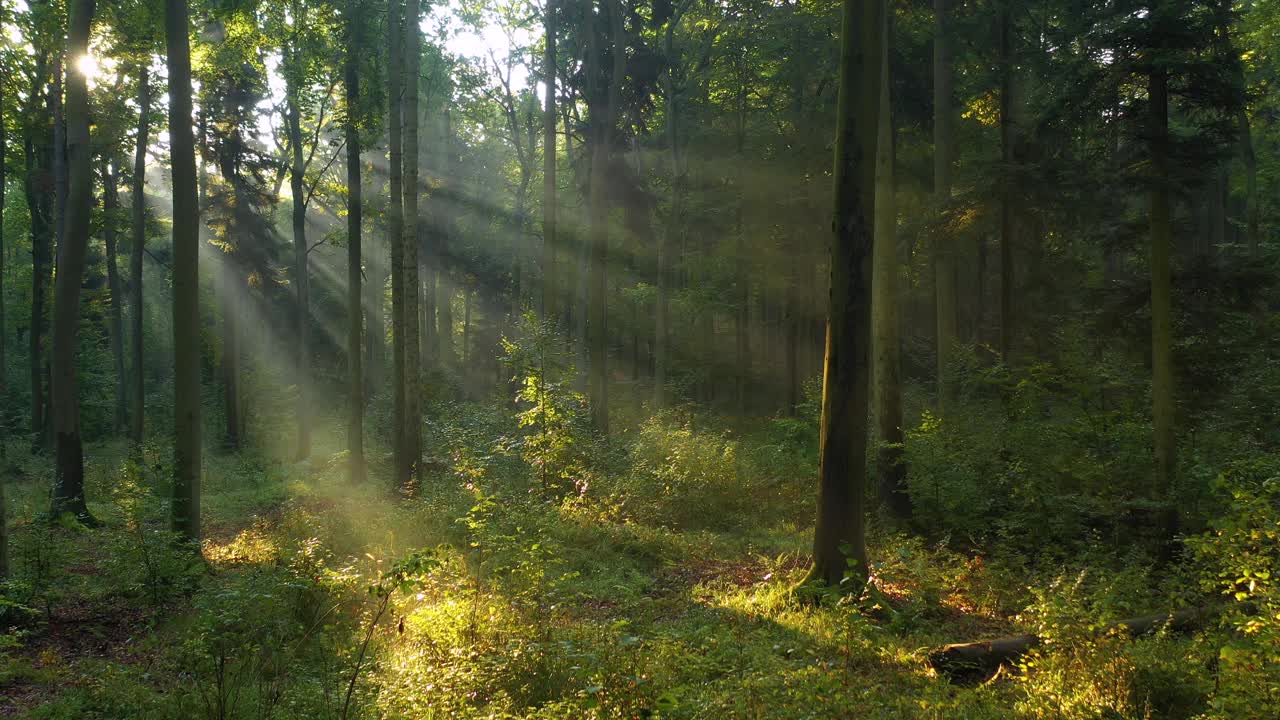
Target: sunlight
[[88, 66]]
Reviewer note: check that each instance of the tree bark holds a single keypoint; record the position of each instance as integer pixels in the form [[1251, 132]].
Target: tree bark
[[395, 236], [1162, 401], [839, 545], [68, 484], [139, 233], [887, 364], [110, 206], [444, 284], [413, 359], [977, 660], [301, 279], [1006, 183], [186, 276], [943, 152], [355, 210], [39, 210], [549, 279]]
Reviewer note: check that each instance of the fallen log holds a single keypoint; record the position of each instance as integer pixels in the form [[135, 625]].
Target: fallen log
[[978, 660]]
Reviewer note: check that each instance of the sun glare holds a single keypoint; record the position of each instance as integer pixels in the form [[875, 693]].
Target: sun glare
[[89, 67]]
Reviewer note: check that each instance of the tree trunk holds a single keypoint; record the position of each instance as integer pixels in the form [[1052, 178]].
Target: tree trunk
[[412, 359], [110, 206], [977, 660], [944, 246], [138, 213], [186, 276], [68, 484], [301, 280], [662, 332], [1006, 183], [839, 545], [395, 236], [444, 286], [1162, 404], [38, 207], [4, 366], [887, 364], [355, 296], [549, 279]]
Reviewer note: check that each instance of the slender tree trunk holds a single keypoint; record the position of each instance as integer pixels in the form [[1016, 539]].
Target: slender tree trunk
[[549, 279], [395, 236], [355, 296], [1250, 158], [412, 360], [139, 234], [839, 544], [68, 484], [943, 152], [1162, 403], [887, 364], [662, 332], [301, 279], [444, 286], [110, 206], [186, 276], [38, 206], [1006, 185], [4, 340]]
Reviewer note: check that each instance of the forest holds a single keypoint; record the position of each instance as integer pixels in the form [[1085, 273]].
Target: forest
[[621, 359]]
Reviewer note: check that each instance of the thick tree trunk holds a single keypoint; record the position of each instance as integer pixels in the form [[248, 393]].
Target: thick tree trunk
[[395, 236], [887, 364], [301, 276], [549, 279], [138, 229], [355, 296], [944, 265], [110, 206], [412, 360], [839, 545], [68, 483], [1162, 402], [186, 276]]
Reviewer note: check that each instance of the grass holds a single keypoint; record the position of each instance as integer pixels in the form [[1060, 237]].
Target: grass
[[592, 606]]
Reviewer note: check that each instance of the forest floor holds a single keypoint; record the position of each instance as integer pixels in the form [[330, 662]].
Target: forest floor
[[518, 605]]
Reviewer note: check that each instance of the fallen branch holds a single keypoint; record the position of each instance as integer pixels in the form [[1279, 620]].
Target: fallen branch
[[977, 660]]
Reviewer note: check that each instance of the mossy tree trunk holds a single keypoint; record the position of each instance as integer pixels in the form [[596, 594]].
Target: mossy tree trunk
[[839, 545], [186, 275]]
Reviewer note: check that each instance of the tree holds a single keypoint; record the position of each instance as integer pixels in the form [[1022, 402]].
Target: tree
[[355, 316], [549, 286], [110, 207], [839, 545], [409, 258], [186, 279], [395, 240], [68, 487], [887, 365], [295, 76], [138, 229], [943, 152], [1162, 404]]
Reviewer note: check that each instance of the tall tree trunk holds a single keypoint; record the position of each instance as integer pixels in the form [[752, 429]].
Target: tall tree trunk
[[4, 366], [395, 235], [139, 233], [110, 206], [68, 483], [38, 207], [301, 280], [1162, 405], [602, 131], [549, 280], [839, 544], [944, 265], [412, 358], [1250, 159], [186, 275], [662, 332], [444, 286], [887, 363], [1006, 182], [355, 296]]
